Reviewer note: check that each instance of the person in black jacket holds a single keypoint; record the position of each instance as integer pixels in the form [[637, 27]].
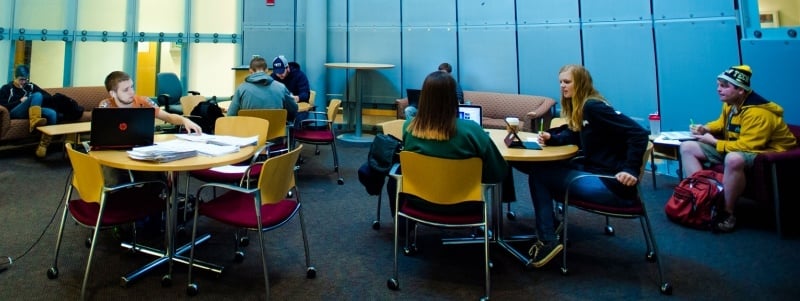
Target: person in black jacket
[[610, 143], [23, 99]]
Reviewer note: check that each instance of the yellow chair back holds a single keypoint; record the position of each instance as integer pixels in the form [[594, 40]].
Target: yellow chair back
[[87, 175], [277, 176], [276, 117], [243, 126], [394, 128], [333, 109], [439, 180]]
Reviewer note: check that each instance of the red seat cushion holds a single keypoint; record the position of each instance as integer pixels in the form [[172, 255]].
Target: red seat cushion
[[635, 209], [311, 135], [237, 209], [209, 175], [465, 213], [122, 207]]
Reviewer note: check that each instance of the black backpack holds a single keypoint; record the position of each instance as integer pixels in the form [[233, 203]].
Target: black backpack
[[205, 114]]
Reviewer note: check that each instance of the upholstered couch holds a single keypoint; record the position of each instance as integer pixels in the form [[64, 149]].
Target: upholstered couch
[[12, 130], [497, 106]]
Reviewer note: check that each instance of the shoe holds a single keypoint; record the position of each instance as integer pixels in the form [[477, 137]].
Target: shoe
[[35, 117], [541, 253], [727, 223]]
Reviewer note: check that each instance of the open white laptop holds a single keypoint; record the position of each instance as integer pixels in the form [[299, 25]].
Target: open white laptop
[[471, 112]]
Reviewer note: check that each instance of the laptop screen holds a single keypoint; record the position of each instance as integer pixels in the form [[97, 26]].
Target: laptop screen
[[471, 112], [413, 97], [122, 128]]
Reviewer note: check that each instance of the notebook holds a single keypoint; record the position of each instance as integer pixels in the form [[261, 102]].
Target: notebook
[[682, 136], [471, 112], [413, 97], [122, 128]]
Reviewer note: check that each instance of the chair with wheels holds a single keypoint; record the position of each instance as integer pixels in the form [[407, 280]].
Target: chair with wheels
[[102, 207], [637, 211], [395, 129], [309, 133], [441, 193], [260, 209], [169, 91]]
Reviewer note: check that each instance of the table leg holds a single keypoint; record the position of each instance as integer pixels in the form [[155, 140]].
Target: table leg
[[499, 237], [357, 136]]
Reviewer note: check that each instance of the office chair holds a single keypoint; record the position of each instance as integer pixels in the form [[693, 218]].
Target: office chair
[[169, 91], [101, 207], [310, 134], [441, 193], [637, 210], [395, 129], [261, 209]]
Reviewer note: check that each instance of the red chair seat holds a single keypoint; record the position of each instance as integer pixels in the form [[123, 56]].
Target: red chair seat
[[236, 208], [122, 207], [209, 175], [468, 217], [325, 136], [635, 209]]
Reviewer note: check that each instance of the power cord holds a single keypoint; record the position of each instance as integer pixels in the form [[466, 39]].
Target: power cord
[[5, 265]]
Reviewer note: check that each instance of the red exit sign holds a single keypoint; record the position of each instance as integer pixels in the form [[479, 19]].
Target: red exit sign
[[270, 2]]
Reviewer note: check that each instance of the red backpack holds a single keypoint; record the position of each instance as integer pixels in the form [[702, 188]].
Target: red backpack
[[694, 201]]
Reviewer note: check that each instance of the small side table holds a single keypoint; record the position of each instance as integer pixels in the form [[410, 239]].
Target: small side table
[[668, 150], [71, 130]]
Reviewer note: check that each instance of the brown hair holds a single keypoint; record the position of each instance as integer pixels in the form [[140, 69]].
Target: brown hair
[[113, 79], [438, 108], [572, 108], [446, 67], [258, 64]]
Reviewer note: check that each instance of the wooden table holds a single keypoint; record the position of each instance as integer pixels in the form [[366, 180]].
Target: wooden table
[[120, 159], [71, 130], [547, 153], [358, 136]]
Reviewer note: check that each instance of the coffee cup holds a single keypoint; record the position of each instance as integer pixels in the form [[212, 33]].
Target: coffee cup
[[512, 124]]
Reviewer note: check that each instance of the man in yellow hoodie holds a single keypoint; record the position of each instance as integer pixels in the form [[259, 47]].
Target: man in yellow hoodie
[[749, 124]]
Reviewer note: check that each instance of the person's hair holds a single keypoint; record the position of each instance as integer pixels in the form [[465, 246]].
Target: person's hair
[[437, 109], [22, 71], [572, 108], [293, 66], [258, 64], [446, 67], [114, 78]]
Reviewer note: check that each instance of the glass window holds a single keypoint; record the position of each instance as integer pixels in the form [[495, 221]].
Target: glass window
[[95, 60], [101, 15], [778, 13]]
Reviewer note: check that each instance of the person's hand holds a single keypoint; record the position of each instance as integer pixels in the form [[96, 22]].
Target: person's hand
[[531, 114], [707, 138], [23, 99], [626, 179], [543, 137], [191, 127], [698, 129], [296, 98]]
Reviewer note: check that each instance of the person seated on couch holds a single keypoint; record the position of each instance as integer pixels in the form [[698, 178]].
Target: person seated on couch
[[23, 99], [411, 110]]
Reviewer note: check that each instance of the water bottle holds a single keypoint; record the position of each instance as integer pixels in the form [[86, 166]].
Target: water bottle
[[655, 124]]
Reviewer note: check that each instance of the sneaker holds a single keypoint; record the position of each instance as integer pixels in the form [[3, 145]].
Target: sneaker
[[541, 253], [727, 224]]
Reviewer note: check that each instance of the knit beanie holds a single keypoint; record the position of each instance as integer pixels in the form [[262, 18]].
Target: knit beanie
[[22, 71], [738, 76]]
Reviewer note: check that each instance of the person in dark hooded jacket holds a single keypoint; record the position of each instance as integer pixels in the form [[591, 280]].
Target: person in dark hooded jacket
[[260, 91]]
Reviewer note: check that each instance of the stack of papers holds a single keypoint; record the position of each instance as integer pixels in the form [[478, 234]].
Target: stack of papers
[[677, 136], [219, 139], [162, 152]]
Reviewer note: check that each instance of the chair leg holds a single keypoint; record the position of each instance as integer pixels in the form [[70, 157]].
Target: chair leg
[[336, 164], [91, 249], [311, 272], [376, 224], [665, 287], [653, 169], [52, 272]]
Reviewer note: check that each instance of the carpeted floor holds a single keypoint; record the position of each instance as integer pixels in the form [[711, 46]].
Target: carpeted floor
[[353, 261]]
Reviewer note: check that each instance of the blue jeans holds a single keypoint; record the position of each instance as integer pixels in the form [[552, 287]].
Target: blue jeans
[[35, 99], [548, 182]]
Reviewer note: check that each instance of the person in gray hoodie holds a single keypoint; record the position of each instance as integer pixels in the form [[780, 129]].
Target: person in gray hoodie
[[260, 91]]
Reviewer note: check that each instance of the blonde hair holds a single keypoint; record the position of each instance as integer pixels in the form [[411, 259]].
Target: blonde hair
[[572, 108]]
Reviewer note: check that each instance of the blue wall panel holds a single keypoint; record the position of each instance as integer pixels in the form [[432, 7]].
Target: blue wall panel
[[337, 13], [336, 79], [615, 10], [775, 67], [423, 50], [690, 56], [482, 12], [682, 9], [429, 13], [488, 58], [374, 13], [377, 45], [268, 42], [257, 13], [620, 57], [547, 11], [543, 49]]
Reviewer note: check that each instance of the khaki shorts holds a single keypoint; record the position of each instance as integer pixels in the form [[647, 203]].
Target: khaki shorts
[[714, 157]]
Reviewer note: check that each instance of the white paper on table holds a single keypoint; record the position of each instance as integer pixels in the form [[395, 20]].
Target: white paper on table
[[231, 168]]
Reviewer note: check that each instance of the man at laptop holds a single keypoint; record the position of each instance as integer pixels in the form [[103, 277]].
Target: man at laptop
[[120, 87]]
